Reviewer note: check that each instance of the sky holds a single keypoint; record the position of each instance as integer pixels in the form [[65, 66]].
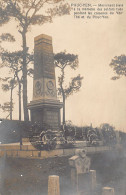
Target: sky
[[100, 99]]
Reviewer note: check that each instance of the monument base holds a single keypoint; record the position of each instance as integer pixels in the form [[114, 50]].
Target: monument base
[[46, 112]]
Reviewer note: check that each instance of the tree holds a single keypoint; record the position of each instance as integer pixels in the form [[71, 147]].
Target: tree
[[119, 66], [63, 60], [108, 132], [9, 85], [13, 60], [27, 13], [7, 107]]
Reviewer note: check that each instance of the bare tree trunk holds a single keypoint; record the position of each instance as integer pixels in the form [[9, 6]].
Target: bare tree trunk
[[19, 94], [63, 109], [11, 103], [19, 101], [26, 116], [63, 94]]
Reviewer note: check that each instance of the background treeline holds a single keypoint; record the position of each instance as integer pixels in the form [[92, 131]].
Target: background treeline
[[13, 131]]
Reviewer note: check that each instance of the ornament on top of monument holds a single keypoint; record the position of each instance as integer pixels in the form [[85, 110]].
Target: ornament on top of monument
[[80, 161]]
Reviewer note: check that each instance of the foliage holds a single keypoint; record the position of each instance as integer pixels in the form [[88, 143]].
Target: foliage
[[105, 133], [108, 133], [122, 136], [7, 107], [27, 13], [74, 85], [14, 61], [63, 60], [4, 18], [9, 84], [7, 37], [13, 130], [119, 66]]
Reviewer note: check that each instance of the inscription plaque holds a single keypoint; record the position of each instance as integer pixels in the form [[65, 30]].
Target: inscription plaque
[[44, 59], [52, 118]]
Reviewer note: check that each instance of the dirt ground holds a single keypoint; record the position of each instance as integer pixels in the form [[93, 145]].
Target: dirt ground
[[30, 176]]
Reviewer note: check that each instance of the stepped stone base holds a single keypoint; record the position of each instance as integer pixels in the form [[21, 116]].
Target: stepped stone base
[[28, 151], [46, 112]]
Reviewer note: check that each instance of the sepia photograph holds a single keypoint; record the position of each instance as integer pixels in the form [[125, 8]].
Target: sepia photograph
[[62, 100]]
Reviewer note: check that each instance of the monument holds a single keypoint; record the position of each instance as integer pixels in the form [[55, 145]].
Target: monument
[[83, 180], [45, 107]]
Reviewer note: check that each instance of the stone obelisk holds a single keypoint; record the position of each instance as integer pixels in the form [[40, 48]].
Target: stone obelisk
[[45, 107]]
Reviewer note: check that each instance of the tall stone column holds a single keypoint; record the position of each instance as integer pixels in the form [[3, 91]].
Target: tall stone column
[[45, 107]]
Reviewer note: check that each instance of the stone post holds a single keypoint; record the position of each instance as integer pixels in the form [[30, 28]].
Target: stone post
[[93, 179], [108, 191], [53, 185], [74, 176]]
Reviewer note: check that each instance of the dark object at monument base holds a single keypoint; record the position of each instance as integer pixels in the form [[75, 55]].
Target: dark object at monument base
[[48, 139]]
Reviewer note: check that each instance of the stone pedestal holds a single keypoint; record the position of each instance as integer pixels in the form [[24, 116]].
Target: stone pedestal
[[46, 112], [108, 191], [45, 107], [81, 178], [53, 185], [84, 184]]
